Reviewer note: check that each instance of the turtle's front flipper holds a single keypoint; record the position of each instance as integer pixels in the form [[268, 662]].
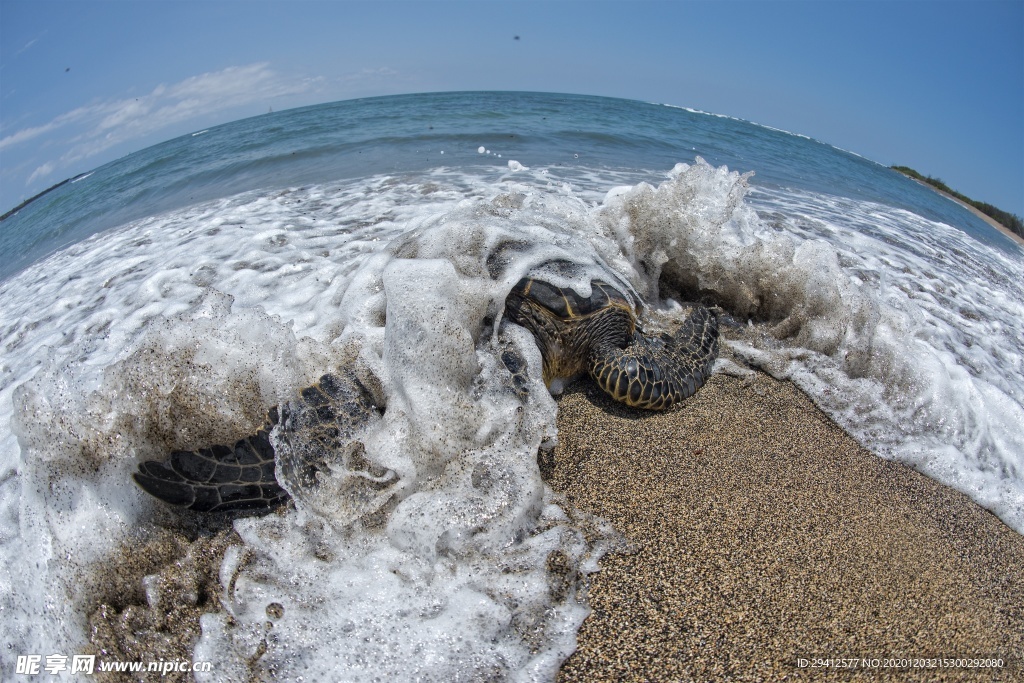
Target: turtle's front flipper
[[219, 478], [657, 373]]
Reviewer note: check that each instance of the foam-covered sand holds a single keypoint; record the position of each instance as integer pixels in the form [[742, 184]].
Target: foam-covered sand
[[761, 533], [757, 533]]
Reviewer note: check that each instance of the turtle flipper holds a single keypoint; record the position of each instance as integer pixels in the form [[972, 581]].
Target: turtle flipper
[[219, 478], [322, 461], [657, 373]]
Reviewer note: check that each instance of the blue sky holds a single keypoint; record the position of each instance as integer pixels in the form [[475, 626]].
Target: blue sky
[[938, 86]]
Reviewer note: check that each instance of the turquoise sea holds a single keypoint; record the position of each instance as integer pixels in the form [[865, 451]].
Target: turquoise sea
[[176, 293]]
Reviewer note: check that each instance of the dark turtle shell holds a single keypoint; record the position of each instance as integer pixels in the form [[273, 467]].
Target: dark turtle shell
[[565, 303]]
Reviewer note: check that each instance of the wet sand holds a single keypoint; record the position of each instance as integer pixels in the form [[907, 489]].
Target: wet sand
[[762, 534]]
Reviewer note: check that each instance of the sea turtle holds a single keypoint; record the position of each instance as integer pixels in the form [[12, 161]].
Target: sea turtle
[[596, 334]]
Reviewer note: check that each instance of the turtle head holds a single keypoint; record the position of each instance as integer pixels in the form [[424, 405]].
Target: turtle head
[[567, 325]]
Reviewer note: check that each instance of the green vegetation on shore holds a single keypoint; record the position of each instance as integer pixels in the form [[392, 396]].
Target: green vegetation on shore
[[1009, 221]]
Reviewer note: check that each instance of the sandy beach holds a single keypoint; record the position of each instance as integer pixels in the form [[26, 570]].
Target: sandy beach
[[762, 535]]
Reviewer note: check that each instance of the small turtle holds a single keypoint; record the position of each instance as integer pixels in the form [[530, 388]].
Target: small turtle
[[597, 334]]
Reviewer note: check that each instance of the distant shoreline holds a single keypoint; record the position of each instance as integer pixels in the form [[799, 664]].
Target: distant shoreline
[[985, 217], [980, 214], [31, 199]]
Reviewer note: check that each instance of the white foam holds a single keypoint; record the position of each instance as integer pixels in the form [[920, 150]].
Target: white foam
[[934, 323], [733, 118], [168, 351], [906, 331]]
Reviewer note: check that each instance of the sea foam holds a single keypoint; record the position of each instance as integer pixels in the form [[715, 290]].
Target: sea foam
[[906, 331], [181, 330], [470, 569]]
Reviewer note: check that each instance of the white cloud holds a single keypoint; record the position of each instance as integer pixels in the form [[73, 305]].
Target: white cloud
[[383, 72], [102, 124], [41, 172], [29, 133], [30, 43]]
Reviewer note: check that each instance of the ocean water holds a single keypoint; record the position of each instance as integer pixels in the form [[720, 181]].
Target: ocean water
[[169, 298]]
